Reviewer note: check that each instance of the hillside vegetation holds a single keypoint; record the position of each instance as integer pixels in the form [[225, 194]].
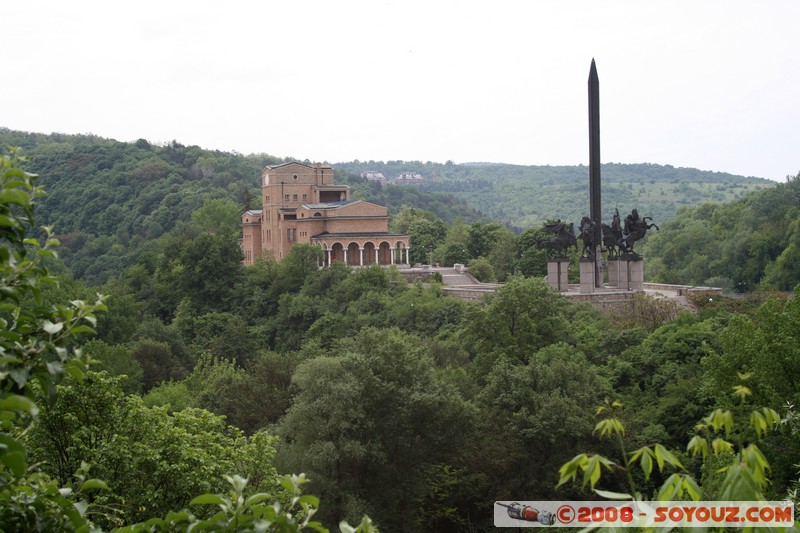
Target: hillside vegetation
[[397, 401], [108, 199], [526, 196], [748, 244]]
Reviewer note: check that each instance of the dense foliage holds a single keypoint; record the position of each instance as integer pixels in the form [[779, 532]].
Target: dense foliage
[[109, 199], [52, 435], [417, 409], [398, 401], [37, 346], [743, 245]]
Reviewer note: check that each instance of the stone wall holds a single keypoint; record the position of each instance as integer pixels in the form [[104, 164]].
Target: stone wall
[[683, 290]]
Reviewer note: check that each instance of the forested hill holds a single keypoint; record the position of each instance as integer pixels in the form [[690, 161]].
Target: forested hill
[[526, 196], [107, 199], [748, 244]]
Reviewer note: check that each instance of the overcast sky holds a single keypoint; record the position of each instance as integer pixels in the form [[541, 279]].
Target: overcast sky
[[708, 84]]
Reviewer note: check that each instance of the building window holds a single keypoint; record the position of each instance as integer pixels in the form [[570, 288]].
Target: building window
[[266, 198], [285, 196], [305, 197], [294, 234], [288, 234], [294, 197]]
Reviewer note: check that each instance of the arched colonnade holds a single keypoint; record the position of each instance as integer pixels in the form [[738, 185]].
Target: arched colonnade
[[364, 252]]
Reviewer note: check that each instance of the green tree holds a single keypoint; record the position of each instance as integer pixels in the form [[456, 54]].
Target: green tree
[[522, 317], [209, 268], [118, 325], [450, 254], [480, 239], [784, 273], [163, 454], [503, 253], [367, 420], [454, 248], [222, 333], [766, 348], [425, 232], [218, 215], [724, 437], [301, 261], [494, 242], [116, 361], [157, 362], [531, 257], [664, 376], [37, 345], [533, 417], [482, 269], [152, 460]]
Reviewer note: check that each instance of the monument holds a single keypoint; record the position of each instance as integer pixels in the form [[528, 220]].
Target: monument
[[558, 237], [629, 264], [591, 277], [625, 267]]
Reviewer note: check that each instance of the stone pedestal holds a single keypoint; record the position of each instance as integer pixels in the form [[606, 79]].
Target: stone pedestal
[[557, 270], [636, 279], [587, 276], [614, 264], [631, 272]]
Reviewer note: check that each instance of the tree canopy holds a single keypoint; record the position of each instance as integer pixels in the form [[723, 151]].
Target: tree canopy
[[204, 386]]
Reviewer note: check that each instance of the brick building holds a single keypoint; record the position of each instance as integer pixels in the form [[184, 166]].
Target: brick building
[[301, 204]]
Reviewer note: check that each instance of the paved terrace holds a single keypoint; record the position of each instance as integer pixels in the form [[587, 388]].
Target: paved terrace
[[460, 283]]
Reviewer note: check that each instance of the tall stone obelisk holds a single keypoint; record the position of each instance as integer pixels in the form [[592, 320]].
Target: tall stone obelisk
[[594, 169]]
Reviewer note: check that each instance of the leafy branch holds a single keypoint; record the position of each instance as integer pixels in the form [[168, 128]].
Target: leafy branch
[[746, 477]]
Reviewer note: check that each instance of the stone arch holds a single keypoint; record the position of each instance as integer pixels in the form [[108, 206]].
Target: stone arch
[[325, 256], [353, 254], [337, 252], [400, 253], [385, 253], [369, 253]]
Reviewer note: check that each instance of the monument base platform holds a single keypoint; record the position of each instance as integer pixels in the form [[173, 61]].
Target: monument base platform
[[626, 272], [587, 276], [557, 273]]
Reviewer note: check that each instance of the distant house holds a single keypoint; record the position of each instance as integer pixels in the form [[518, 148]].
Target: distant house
[[374, 176], [409, 178], [301, 204]]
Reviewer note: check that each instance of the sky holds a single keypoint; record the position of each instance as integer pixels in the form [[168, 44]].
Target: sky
[[708, 84]]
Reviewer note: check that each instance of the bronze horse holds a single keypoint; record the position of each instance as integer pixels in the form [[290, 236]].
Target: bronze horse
[[634, 230], [586, 230], [612, 235], [561, 237]]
